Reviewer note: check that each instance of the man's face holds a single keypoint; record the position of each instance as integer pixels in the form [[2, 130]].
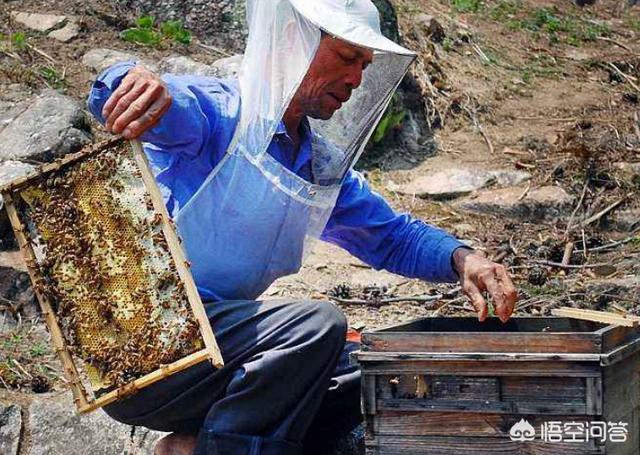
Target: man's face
[[334, 73]]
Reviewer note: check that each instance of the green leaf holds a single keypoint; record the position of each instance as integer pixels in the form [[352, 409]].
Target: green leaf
[[175, 30], [145, 22], [143, 36], [18, 40]]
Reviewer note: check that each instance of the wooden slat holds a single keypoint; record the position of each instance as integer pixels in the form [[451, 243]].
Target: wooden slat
[[621, 388], [459, 445], [140, 383], [367, 356], [393, 423], [178, 255], [80, 395], [632, 445], [486, 368], [597, 316], [481, 342], [594, 396], [495, 407]]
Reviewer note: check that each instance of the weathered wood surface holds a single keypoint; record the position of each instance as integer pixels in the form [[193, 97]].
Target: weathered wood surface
[[574, 343], [485, 368], [506, 395], [461, 445], [597, 316], [459, 424]]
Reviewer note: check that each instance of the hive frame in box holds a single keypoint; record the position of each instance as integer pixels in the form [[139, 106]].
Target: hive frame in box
[[83, 401]]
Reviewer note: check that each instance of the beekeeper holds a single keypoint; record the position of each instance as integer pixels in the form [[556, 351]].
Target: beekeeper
[[252, 170]]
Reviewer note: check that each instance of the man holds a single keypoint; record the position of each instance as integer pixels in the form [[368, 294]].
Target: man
[[248, 179]]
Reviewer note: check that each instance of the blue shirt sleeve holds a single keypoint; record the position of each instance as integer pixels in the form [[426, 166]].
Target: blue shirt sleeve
[[186, 127], [366, 226]]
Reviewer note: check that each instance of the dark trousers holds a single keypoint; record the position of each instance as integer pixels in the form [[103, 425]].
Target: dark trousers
[[286, 387]]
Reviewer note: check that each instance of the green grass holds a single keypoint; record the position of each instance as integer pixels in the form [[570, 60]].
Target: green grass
[[634, 24], [147, 33], [547, 22], [38, 350], [53, 78], [467, 6]]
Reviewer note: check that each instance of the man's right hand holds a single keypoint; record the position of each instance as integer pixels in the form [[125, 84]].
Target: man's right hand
[[137, 104]]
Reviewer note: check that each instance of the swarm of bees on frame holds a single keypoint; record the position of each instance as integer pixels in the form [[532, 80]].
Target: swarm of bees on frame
[[104, 264]]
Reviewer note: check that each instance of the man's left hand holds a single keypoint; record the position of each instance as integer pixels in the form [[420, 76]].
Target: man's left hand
[[478, 275]]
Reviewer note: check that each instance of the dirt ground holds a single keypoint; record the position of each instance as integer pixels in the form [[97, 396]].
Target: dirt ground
[[543, 86]]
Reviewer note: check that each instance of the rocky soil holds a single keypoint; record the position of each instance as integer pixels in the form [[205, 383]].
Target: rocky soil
[[520, 134]]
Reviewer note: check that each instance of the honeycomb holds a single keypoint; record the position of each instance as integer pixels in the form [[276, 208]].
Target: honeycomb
[[104, 264]]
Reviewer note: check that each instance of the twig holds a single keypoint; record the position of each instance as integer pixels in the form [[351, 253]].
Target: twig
[[558, 265], [44, 54], [610, 246], [15, 362], [429, 298], [604, 211], [575, 210], [625, 76], [525, 192], [568, 249], [617, 43], [636, 124], [214, 49]]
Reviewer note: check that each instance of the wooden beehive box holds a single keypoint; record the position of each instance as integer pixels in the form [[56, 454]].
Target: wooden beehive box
[[453, 386], [109, 272]]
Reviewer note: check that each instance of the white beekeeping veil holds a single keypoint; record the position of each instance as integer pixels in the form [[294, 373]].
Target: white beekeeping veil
[[249, 222], [283, 39]]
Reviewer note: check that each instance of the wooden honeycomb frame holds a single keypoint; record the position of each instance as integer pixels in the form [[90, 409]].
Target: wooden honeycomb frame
[[83, 399]]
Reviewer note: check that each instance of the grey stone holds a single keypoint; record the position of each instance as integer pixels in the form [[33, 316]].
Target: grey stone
[[179, 64], [10, 427], [16, 290], [42, 128], [39, 22], [57, 429], [228, 67], [9, 171], [455, 182], [66, 33], [370, 277], [546, 203], [10, 96], [430, 26], [100, 59], [626, 220]]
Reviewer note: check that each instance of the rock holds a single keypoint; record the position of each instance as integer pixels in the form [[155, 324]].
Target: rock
[[546, 203], [222, 23], [9, 171], [40, 22], [100, 59], [370, 277], [42, 128], [16, 290], [66, 33], [429, 25], [229, 67], [625, 220], [179, 64], [10, 96], [56, 429], [629, 170], [10, 427], [452, 183]]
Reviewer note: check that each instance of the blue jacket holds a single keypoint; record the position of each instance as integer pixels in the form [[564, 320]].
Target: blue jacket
[[193, 136]]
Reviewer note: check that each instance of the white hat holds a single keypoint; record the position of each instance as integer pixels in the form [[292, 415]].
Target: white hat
[[355, 21]]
